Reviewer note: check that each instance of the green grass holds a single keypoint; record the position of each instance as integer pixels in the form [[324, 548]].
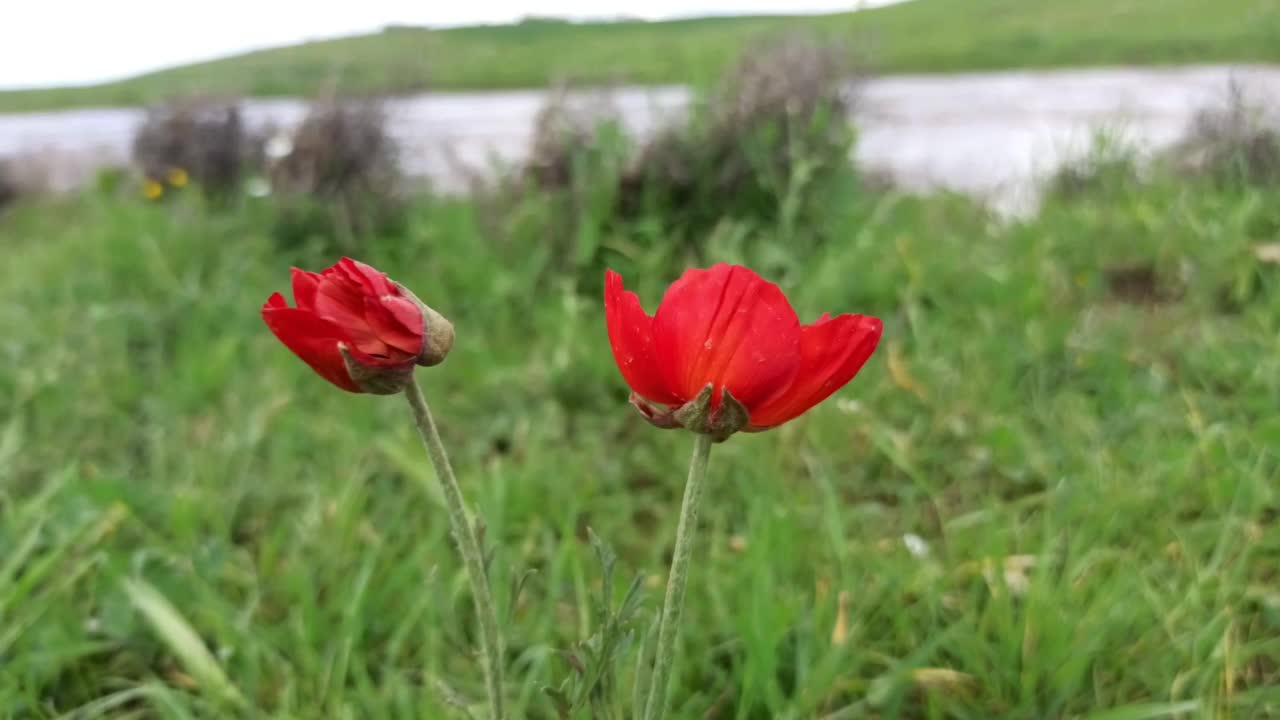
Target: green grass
[[194, 525], [922, 35]]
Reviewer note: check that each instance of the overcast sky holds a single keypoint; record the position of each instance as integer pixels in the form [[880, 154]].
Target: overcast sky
[[62, 42]]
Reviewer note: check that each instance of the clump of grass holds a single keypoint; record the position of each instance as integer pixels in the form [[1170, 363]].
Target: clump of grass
[[9, 191], [765, 147], [563, 194], [1109, 164], [1237, 141], [342, 149], [566, 125], [337, 175], [26, 175], [765, 142], [196, 138]]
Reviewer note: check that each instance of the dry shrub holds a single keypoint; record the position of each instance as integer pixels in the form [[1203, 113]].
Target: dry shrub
[[341, 150], [776, 127], [1110, 164], [9, 191], [563, 196], [203, 138], [793, 85], [771, 142], [28, 174], [567, 125], [1238, 141], [765, 143], [337, 174]]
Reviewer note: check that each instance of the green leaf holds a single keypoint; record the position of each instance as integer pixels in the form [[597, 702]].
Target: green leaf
[[175, 632]]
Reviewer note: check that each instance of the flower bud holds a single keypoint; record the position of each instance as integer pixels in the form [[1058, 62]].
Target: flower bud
[[699, 415], [375, 379], [437, 331], [358, 329]]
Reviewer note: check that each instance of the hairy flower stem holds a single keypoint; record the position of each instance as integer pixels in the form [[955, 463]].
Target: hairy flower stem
[[467, 537], [669, 625]]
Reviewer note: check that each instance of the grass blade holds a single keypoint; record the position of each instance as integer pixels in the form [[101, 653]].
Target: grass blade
[[175, 632]]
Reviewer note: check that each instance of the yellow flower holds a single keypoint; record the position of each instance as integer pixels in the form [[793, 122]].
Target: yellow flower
[[178, 177], [151, 189]]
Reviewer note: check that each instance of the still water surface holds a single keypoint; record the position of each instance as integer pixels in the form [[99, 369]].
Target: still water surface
[[990, 134]]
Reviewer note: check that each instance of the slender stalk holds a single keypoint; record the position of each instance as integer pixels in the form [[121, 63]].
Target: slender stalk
[[464, 532], [669, 625]]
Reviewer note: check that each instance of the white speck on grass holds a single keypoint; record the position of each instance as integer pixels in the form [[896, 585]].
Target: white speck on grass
[[916, 545]]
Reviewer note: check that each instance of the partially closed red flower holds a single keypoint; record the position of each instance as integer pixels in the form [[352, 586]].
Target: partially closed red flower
[[729, 330], [357, 328]]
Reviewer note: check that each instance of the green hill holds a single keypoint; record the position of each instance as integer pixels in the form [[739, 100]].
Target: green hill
[[918, 36]]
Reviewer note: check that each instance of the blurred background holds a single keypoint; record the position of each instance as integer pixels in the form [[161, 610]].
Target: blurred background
[[1052, 493]]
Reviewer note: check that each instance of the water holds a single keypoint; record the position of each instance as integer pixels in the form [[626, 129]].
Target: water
[[993, 135]]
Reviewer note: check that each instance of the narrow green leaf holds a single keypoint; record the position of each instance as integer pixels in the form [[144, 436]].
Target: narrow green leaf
[[175, 632]]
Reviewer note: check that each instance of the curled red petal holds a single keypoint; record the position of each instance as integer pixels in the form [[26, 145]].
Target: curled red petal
[[390, 330], [406, 313], [371, 280], [342, 301], [345, 270], [729, 327], [631, 337], [832, 352], [305, 285], [313, 339]]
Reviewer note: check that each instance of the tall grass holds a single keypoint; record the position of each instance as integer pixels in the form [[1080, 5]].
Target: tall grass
[[1052, 493], [1043, 498]]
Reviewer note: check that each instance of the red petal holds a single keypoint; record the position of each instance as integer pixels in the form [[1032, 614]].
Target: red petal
[[631, 336], [832, 352], [389, 329], [305, 285], [276, 301], [405, 312], [342, 301], [347, 271], [373, 281], [313, 339], [729, 327]]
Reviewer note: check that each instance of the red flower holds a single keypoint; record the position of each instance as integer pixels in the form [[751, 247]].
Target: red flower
[[728, 329], [357, 328]]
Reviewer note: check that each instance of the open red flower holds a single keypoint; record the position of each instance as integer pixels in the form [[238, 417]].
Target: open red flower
[[731, 337], [358, 329]]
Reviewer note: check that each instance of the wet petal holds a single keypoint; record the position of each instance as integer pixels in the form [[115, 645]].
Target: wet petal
[[631, 336], [729, 327], [832, 350]]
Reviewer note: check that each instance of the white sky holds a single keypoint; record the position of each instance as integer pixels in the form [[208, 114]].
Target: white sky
[[62, 42]]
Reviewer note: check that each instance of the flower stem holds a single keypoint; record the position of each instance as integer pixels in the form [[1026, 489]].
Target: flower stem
[[467, 537], [669, 625]]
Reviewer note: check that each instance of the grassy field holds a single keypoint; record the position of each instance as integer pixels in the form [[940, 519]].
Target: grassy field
[[922, 35], [1052, 493]]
